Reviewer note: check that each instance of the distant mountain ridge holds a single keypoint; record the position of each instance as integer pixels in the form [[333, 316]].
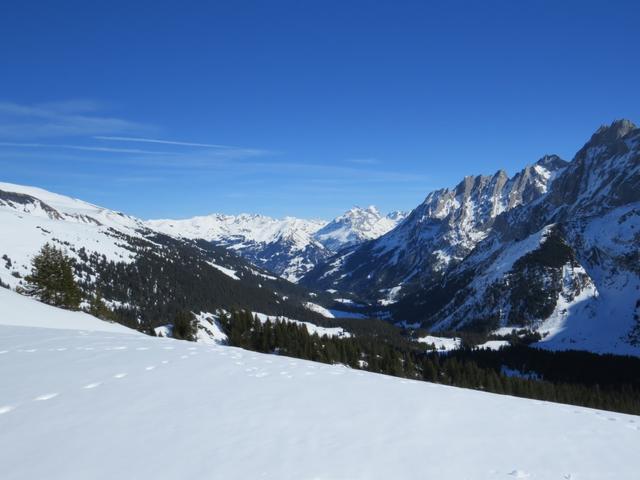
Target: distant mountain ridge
[[288, 247]]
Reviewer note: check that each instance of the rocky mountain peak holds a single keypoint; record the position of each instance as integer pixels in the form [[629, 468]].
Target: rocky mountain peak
[[609, 137], [552, 162], [611, 133]]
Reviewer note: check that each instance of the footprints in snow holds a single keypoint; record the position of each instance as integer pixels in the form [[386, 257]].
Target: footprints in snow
[[90, 386], [45, 397], [518, 474]]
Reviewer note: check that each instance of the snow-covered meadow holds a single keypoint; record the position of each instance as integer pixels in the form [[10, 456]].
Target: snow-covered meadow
[[81, 398]]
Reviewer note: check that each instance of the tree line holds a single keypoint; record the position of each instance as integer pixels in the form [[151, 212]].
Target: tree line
[[577, 378], [607, 382]]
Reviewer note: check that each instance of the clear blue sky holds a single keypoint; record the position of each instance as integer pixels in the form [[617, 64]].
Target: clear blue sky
[[302, 107]]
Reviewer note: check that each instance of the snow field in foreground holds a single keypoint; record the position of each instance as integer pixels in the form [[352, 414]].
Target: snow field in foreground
[[79, 404]]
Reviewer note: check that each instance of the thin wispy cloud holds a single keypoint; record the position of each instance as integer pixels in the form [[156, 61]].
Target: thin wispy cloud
[[336, 173], [219, 161], [165, 142], [85, 148], [363, 161], [61, 119], [228, 149]]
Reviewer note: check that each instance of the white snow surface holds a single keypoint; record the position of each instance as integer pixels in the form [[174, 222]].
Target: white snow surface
[[21, 311], [227, 271], [442, 343], [332, 312], [311, 328], [79, 404], [314, 307], [208, 329], [390, 295], [493, 344]]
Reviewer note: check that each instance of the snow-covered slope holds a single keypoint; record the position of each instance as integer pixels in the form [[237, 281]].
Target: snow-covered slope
[[31, 217], [78, 404], [18, 310], [288, 247]]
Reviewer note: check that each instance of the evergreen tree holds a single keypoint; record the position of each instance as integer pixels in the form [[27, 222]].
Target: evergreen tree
[[51, 279], [99, 309], [183, 327]]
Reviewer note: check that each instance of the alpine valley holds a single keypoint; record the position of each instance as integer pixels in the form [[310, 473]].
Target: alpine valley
[[553, 249]]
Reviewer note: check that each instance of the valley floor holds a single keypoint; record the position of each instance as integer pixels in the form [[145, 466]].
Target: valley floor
[[81, 403]]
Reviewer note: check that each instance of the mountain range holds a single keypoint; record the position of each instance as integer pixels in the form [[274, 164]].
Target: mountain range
[[553, 248], [288, 247]]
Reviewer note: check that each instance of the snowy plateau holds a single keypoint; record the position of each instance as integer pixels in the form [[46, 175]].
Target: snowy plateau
[[84, 399]]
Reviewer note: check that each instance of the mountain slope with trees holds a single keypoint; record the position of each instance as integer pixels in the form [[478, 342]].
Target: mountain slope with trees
[[132, 274]]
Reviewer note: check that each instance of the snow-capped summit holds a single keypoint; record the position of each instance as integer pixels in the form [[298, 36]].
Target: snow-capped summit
[[356, 226]]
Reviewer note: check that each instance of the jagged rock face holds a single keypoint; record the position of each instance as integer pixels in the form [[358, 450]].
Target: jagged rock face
[[27, 204], [566, 263], [437, 234], [604, 174], [517, 285]]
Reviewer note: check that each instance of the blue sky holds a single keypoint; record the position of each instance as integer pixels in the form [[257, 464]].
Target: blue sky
[[305, 108]]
